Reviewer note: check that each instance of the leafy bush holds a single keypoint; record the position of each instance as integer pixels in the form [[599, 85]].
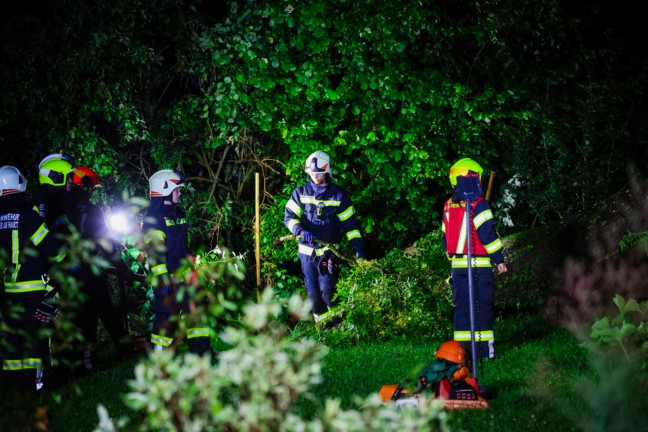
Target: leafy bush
[[254, 386], [402, 294]]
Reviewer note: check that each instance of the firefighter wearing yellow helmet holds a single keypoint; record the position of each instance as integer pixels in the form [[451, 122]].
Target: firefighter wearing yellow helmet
[[320, 212], [52, 199], [486, 253]]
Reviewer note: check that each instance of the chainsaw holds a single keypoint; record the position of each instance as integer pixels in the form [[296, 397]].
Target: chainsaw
[[447, 378]]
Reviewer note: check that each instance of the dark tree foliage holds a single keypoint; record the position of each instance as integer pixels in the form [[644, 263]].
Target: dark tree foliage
[[550, 95]]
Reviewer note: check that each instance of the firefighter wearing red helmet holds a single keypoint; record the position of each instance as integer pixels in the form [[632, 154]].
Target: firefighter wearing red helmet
[[166, 232], [88, 219], [486, 252], [22, 229], [320, 212]]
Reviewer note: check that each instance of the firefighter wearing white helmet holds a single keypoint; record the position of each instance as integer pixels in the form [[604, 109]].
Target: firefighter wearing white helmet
[[318, 163], [320, 212], [166, 232], [486, 252], [164, 182], [22, 229], [11, 181]]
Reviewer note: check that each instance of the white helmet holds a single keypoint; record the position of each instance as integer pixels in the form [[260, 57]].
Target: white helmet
[[11, 180], [318, 163], [165, 181]]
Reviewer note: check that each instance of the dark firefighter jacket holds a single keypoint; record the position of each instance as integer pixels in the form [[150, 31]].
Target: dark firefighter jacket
[[325, 211], [23, 232], [166, 233]]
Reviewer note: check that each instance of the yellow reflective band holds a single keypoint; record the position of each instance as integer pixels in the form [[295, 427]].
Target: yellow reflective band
[[294, 207], [353, 234], [159, 269], [161, 340], [307, 250], [457, 263], [494, 246], [155, 235], [197, 332], [12, 364], [25, 286], [32, 363], [22, 364], [480, 336], [15, 246], [305, 199], [169, 222], [482, 217], [346, 214], [39, 235]]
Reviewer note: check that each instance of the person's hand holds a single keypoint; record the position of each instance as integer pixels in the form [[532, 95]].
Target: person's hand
[[307, 236], [501, 268], [360, 254]]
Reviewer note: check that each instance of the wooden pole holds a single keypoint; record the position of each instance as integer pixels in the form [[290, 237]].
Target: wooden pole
[[257, 235], [490, 185]]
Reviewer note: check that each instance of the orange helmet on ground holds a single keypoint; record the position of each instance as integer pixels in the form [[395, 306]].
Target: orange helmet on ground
[[452, 351], [86, 178]]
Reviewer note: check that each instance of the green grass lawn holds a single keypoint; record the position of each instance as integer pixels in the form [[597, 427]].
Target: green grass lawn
[[541, 380]]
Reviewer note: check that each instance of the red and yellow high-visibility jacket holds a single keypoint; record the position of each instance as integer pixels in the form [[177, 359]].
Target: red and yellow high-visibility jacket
[[486, 246]]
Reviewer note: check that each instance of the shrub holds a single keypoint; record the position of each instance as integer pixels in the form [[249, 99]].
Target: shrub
[[254, 386]]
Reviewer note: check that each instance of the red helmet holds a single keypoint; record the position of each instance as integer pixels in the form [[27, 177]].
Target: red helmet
[[86, 178], [452, 351]]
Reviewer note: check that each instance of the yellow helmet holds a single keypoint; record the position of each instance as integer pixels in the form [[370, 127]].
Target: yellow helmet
[[54, 169], [462, 167]]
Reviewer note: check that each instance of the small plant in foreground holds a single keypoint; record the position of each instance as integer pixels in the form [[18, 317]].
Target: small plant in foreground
[[628, 330]]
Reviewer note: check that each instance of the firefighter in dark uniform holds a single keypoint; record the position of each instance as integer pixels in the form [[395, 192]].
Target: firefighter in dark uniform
[[23, 231], [89, 221], [55, 204], [321, 210], [166, 233], [486, 252]]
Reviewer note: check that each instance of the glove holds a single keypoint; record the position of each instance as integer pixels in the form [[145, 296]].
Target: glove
[[360, 253], [48, 310], [307, 236]]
